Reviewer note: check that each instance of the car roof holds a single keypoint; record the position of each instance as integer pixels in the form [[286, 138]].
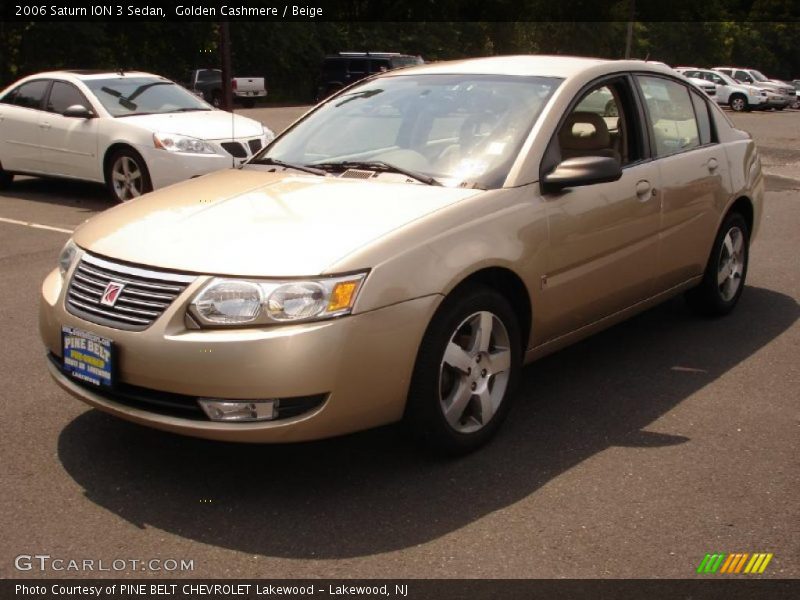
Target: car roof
[[536, 65], [89, 74]]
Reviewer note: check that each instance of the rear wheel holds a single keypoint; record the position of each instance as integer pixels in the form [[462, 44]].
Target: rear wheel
[[216, 99], [466, 367], [127, 176], [738, 103], [724, 277]]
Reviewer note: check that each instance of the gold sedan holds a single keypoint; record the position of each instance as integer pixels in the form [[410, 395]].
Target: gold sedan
[[403, 249]]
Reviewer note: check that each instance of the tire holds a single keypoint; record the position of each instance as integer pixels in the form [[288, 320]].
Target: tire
[[446, 403], [779, 107], [738, 103], [728, 261], [127, 176], [216, 99], [6, 179]]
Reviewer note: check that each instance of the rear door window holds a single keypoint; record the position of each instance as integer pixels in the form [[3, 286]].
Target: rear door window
[[671, 115], [30, 95]]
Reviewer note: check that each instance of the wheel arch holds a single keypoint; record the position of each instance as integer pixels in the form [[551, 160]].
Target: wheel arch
[[113, 149], [511, 287]]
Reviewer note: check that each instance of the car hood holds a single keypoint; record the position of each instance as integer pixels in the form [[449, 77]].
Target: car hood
[[255, 223], [206, 125]]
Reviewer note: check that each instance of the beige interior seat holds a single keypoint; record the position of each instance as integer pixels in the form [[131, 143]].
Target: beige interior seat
[[586, 134]]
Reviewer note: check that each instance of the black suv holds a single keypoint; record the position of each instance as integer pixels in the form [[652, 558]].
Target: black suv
[[344, 68]]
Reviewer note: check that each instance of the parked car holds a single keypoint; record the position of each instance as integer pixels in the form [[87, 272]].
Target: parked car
[[796, 84], [782, 93], [134, 131], [739, 96], [342, 69], [403, 249], [208, 84]]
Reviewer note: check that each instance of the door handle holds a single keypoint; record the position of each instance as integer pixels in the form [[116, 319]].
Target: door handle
[[644, 191], [712, 164], [45, 125]]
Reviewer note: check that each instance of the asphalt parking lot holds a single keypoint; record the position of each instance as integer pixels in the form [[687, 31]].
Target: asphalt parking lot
[[632, 454]]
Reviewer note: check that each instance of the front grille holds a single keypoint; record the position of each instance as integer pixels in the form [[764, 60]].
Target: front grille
[[235, 149], [145, 294], [255, 145]]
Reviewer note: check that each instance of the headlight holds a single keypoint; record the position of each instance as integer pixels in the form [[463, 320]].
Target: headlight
[[234, 302], [66, 258], [173, 142], [269, 135]]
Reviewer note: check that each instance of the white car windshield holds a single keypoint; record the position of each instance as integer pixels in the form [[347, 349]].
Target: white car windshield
[[462, 130], [128, 96], [758, 76]]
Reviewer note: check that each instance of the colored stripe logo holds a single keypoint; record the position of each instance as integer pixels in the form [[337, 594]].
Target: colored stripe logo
[[736, 563]]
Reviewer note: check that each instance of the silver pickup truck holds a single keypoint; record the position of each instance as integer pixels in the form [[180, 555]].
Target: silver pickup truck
[[208, 84]]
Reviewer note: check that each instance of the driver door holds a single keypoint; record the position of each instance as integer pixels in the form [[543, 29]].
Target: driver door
[[603, 237], [69, 144]]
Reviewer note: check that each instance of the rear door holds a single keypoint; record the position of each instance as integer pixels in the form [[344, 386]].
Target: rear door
[[20, 131], [69, 144], [694, 176]]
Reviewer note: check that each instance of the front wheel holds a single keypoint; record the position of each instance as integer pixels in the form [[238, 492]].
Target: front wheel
[[466, 367], [738, 103], [127, 176], [724, 277]]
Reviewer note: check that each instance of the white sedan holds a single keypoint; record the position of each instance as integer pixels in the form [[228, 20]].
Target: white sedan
[[134, 131]]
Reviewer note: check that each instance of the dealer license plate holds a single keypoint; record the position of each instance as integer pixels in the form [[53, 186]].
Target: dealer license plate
[[87, 356]]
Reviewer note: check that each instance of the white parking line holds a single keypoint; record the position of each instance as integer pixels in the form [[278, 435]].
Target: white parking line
[[34, 225]]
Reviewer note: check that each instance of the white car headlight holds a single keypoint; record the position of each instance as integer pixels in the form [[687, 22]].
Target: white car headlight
[[67, 257], [231, 302], [173, 142]]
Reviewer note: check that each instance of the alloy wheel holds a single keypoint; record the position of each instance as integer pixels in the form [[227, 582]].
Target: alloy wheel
[[127, 178], [474, 372], [731, 264]]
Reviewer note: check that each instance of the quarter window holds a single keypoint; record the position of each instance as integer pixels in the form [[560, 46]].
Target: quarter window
[[63, 95], [671, 115]]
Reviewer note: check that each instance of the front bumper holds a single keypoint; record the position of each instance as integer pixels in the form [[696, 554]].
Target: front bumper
[[167, 168], [361, 364]]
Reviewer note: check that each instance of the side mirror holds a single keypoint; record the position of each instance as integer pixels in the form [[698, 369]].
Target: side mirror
[[582, 170], [78, 111]]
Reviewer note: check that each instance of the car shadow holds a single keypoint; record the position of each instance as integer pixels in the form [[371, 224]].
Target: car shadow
[[91, 197], [376, 491]]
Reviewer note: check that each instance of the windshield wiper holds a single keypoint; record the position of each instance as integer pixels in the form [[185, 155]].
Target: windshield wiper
[[378, 165], [279, 163], [180, 110], [135, 114]]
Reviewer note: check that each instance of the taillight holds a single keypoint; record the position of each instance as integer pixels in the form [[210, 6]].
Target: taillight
[[233, 84]]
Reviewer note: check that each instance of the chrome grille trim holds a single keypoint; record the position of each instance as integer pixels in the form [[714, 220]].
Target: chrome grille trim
[[146, 295]]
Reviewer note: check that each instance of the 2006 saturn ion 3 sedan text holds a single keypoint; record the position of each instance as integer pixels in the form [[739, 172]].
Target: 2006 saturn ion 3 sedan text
[[403, 249]]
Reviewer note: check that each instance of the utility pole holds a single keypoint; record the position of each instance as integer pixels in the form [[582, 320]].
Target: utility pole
[[225, 51], [631, 17]]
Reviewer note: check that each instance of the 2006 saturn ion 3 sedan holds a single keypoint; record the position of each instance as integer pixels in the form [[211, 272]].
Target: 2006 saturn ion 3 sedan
[[403, 249]]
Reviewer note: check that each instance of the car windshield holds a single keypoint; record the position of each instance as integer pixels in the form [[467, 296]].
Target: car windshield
[[462, 130], [758, 76], [127, 96]]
